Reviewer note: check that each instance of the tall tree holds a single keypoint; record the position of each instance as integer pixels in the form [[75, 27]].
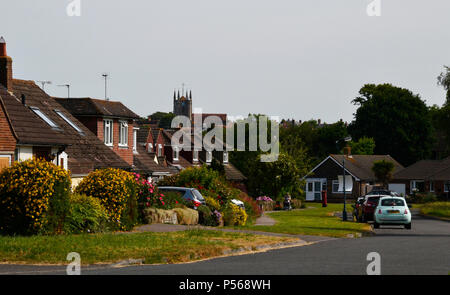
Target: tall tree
[[444, 81], [364, 146], [397, 119], [383, 171]]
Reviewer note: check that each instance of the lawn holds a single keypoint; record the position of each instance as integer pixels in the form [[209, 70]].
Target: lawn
[[170, 247], [437, 209], [317, 221]]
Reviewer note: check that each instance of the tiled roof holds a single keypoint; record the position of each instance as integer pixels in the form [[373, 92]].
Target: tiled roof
[[86, 152], [361, 165], [232, 173], [425, 170], [96, 107], [144, 162], [27, 126]]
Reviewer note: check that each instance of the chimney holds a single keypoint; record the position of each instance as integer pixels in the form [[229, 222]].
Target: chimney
[[348, 151], [5, 66]]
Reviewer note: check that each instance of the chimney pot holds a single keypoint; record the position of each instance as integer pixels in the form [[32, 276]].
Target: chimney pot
[[2, 47]]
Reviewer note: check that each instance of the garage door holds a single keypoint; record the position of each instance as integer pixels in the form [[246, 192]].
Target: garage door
[[4, 162], [398, 187]]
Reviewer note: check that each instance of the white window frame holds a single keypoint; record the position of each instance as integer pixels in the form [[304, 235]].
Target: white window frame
[[108, 137], [446, 186], [225, 157], [208, 156], [150, 147], [159, 150], [176, 154], [335, 182], [195, 155], [123, 133], [68, 121], [44, 117], [135, 131]]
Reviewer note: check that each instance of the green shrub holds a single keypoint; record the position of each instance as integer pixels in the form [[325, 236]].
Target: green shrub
[[117, 191], [212, 203], [421, 198], [439, 209], [33, 197], [297, 204], [86, 215], [205, 216], [234, 215]]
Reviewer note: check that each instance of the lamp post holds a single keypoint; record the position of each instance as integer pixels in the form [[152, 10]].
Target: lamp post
[[344, 212]]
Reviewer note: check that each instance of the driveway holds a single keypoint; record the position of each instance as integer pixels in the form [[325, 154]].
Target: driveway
[[422, 250]]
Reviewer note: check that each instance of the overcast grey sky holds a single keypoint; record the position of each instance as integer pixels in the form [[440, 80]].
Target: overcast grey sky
[[300, 59]]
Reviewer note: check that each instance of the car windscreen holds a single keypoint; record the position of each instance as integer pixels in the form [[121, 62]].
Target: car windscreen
[[179, 193], [373, 199], [198, 195], [392, 202]]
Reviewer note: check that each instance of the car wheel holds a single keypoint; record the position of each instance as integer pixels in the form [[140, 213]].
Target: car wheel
[[408, 226], [376, 225]]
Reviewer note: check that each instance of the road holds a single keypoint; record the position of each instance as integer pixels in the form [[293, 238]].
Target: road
[[423, 250]]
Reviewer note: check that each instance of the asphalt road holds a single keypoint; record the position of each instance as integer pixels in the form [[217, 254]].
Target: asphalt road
[[423, 250]]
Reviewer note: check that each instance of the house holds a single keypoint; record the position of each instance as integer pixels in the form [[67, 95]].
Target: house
[[325, 176], [41, 127], [111, 121], [426, 176]]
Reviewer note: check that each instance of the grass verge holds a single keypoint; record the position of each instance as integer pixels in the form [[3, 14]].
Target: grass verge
[[436, 209], [171, 247], [317, 221]]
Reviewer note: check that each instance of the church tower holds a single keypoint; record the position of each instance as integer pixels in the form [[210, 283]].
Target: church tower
[[182, 105]]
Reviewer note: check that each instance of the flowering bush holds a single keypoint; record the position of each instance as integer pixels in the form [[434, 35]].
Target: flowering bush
[[117, 190], [251, 206], [34, 197], [264, 199], [234, 215]]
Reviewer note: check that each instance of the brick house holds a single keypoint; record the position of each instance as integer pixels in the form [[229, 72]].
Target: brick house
[[426, 176], [41, 127], [358, 168], [111, 121]]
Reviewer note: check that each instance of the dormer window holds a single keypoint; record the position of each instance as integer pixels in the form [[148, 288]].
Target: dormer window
[[123, 133], [150, 147], [159, 150], [225, 157], [208, 157], [108, 132], [47, 120]]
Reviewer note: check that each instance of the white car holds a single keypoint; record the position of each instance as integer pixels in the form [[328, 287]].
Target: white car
[[392, 210]]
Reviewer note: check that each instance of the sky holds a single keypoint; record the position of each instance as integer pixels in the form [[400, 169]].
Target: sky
[[301, 59]]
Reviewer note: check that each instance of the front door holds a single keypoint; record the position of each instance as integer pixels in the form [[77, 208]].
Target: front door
[[314, 187]]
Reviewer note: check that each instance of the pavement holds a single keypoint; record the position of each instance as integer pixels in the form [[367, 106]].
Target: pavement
[[422, 250]]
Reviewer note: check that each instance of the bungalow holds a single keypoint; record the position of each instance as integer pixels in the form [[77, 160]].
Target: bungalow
[[358, 168], [36, 125], [426, 176]]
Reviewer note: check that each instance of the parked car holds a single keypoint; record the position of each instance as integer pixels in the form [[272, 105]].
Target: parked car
[[359, 202], [383, 192], [367, 209], [189, 194], [392, 211]]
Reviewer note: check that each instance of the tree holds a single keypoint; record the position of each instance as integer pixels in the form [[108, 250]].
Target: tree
[[364, 146], [397, 119], [383, 171], [444, 81], [164, 119]]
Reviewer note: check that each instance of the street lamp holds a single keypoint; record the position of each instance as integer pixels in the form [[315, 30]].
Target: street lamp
[[344, 212]]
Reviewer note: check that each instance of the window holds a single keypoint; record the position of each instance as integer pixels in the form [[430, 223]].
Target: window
[[392, 202], [431, 186], [225, 157], [447, 186], [47, 120], [417, 186], [108, 132], [159, 150], [135, 130], [195, 155], [309, 187], [123, 133], [61, 114], [208, 157], [150, 147], [175, 153], [336, 186]]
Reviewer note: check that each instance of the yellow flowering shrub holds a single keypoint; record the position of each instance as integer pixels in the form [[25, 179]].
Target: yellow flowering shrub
[[33, 195], [234, 215], [117, 191]]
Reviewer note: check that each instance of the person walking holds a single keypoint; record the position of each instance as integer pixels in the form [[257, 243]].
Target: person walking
[[287, 202]]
